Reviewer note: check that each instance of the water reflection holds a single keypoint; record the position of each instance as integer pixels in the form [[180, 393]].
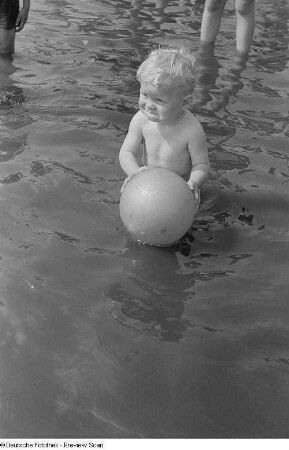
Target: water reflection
[[208, 94], [10, 94], [150, 293], [13, 136]]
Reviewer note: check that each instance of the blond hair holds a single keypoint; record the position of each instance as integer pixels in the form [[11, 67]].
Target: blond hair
[[169, 68]]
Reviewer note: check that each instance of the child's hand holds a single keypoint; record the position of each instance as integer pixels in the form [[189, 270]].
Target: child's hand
[[196, 191], [131, 176], [21, 19], [126, 181], [142, 168]]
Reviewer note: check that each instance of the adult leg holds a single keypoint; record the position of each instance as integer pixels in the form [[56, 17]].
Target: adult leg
[[245, 10], [8, 17], [211, 19], [7, 41]]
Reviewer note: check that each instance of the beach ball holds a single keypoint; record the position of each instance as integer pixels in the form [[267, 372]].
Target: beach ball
[[157, 207]]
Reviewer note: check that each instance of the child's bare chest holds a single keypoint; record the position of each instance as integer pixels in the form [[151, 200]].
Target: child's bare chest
[[164, 144], [166, 149]]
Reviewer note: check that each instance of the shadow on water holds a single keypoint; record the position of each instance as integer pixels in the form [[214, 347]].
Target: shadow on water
[[101, 337]]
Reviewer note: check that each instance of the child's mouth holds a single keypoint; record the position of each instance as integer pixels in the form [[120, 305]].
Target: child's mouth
[[151, 112]]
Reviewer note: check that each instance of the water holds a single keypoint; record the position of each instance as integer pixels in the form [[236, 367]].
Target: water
[[101, 337]]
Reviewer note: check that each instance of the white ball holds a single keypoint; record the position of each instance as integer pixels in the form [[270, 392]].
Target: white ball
[[157, 207]]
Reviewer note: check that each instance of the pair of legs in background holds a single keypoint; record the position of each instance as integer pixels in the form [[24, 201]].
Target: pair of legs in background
[[12, 20], [9, 10], [245, 12]]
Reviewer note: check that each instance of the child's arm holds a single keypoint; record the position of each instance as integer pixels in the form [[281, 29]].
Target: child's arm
[[197, 146], [130, 146], [199, 175]]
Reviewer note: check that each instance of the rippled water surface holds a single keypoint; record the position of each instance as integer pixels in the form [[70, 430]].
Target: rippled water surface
[[100, 337]]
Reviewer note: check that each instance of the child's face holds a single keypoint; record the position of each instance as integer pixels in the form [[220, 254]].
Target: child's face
[[160, 105]]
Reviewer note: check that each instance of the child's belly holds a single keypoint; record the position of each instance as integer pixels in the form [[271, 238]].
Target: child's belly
[[180, 164]]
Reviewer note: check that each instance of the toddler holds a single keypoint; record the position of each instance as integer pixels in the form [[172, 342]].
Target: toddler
[[169, 135]]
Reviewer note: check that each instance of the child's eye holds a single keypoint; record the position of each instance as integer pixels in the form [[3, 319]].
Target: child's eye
[[160, 100], [143, 94]]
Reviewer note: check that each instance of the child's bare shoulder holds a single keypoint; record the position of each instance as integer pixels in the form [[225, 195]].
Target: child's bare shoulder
[[190, 118], [139, 120], [192, 123]]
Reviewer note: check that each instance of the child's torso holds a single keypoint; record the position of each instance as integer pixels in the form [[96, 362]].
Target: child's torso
[[167, 147]]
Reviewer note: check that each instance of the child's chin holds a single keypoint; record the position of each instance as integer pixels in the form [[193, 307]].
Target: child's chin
[[154, 119]]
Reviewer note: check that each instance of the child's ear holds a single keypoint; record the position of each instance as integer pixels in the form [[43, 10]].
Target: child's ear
[[188, 100]]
